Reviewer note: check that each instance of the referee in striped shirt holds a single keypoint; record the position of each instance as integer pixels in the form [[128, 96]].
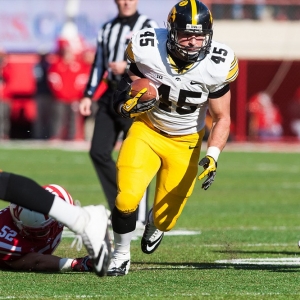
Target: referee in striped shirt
[[110, 61]]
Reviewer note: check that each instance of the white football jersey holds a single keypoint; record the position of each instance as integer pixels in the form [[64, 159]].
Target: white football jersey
[[184, 94]]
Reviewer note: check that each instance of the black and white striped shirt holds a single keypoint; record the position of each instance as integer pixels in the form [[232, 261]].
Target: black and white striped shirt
[[113, 39]]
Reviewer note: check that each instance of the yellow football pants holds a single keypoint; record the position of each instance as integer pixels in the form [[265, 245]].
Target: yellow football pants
[[173, 159]]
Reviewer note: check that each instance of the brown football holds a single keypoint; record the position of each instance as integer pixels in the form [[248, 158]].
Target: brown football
[[139, 84]]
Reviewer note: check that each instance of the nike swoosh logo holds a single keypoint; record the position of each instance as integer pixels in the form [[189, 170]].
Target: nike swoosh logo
[[193, 147], [150, 247], [195, 82], [98, 262]]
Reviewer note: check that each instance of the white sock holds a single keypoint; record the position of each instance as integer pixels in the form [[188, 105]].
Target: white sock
[[122, 242], [65, 264], [74, 217], [142, 208], [151, 221]]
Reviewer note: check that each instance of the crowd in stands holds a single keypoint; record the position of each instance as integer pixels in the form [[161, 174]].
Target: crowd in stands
[[40, 93], [294, 113], [265, 119], [4, 99], [255, 10], [49, 109], [47, 106]]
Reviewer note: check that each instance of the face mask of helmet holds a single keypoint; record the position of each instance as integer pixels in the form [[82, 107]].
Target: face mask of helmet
[[189, 18]]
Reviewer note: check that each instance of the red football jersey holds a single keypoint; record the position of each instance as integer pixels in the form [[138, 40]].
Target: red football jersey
[[13, 245]]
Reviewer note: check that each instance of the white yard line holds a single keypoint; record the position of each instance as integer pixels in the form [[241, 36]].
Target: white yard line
[[281, 261], [69, 234]]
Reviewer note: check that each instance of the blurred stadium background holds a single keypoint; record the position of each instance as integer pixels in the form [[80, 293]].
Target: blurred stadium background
[[251, 212], [263, 33]]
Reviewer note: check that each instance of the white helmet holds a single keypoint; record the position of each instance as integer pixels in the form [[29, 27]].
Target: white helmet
[[34, 224]]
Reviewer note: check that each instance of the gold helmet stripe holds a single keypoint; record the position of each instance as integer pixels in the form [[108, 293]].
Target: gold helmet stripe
[[211, 17], [194, 12]]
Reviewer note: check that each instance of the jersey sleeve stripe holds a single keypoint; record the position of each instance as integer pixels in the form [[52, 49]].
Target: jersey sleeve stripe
[[233, 72], [9, 254]]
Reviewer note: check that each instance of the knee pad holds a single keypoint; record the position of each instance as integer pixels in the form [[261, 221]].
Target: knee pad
[[4, 178], [123, 222]]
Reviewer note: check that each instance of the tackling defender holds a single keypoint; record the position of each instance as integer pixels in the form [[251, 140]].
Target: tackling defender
[[89, 222], [28, 239], [192, 73]]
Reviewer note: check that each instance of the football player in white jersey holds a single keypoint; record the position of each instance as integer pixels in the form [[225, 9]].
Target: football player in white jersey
[[192, 74]]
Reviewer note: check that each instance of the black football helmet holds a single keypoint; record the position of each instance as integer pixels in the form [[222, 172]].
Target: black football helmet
[[194, 17]]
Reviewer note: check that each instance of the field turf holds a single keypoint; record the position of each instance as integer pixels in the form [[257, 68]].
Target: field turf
[[248, 226]]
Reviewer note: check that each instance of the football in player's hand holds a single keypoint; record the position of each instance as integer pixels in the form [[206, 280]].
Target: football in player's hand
[[139, 84]]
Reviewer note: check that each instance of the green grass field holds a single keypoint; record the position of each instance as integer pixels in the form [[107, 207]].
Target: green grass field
[[248, 224]]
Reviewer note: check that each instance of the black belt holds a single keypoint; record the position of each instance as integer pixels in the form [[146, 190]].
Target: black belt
[[169, 135], [164, 133]]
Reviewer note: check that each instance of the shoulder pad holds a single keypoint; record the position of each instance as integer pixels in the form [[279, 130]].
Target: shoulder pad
[[223, 64]]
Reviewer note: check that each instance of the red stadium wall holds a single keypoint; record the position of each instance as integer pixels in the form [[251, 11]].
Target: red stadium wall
[[259, 75], [19, 90]]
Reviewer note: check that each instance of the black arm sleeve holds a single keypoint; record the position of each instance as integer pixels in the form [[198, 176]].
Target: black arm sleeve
[[96, 73], [134, 69], [220, 92], [121, 94], [25, 192]]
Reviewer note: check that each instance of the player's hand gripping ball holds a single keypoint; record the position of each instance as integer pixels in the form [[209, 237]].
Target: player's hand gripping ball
[[140, 84], [142, 96]]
